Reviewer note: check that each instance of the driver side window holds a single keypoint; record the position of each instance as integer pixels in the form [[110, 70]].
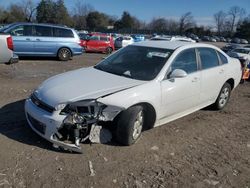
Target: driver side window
[[185, 60]]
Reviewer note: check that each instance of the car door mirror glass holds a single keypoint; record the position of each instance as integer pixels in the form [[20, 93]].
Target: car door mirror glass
[[178, 73]]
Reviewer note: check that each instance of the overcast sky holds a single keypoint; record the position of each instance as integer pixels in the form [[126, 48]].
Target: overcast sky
[[145, 10]]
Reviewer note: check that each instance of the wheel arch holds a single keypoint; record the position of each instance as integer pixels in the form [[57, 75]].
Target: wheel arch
[[71, 52], [231, 82], [150, 114]]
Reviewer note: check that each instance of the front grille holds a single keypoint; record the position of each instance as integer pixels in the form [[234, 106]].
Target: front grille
[[41, 104], [40, 127]]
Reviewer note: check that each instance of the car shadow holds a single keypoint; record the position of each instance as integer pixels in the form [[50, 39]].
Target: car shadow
[[13, 125], [38, 58]]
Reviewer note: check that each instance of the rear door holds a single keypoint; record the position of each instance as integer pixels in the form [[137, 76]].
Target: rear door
[[104, 43], [213, 74], [22, 39], [93, 43], [44, 42]]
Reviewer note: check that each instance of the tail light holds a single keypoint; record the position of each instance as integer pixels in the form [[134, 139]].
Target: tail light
[[10, 43]]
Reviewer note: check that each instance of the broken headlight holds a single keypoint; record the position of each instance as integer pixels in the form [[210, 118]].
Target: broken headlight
[[74, 118], [80, 111]]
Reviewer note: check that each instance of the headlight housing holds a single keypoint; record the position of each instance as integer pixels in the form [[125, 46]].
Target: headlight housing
[[82, 111], [60, 107]]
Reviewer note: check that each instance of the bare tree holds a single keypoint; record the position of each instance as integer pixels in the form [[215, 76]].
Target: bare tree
[[80, 13], [158, 24], [220, 20], [82, 9], [186, 21], [29, 9], [235, 14]]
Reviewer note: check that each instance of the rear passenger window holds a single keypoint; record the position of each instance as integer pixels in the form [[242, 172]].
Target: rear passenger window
[[209, 58], [222, 58], [42, 31], [60, 32], [104, 38], [94, 37], [186, 61]]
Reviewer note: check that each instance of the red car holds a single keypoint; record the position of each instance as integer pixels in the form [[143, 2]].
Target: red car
[[98, 43]]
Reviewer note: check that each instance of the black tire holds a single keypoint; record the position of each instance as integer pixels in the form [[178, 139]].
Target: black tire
[[128, 129], [109, 50], [64, 54], [223, 97]]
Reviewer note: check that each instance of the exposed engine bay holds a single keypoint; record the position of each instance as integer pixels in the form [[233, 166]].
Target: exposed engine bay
[[84, 121]]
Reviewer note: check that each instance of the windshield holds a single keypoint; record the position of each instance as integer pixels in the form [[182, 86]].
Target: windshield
[[136, 62], [5, 27]]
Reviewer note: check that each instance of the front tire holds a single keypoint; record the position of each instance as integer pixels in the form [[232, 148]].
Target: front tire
[[64, 54], [223, 97], [130, 125]]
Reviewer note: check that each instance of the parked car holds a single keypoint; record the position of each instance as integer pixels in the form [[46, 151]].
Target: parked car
[[236, 40], [195, 37], [222, 39], [216, 38], [138, 38], [240, 53], [143, 85], [97, 42], [229, 40], [172, 38], [230, 47], [205, 38], [7, 55], [123, 41], [243, 41], [31, 39], [212, 39]]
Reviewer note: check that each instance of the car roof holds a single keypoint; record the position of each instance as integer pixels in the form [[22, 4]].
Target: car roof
[[40, 24], [170, 44]]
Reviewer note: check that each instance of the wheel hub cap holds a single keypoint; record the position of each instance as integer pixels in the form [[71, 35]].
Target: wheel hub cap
[[138, 125], [224, 96]]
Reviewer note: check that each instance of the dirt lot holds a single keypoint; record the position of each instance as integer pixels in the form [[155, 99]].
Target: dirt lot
[[204, 149]]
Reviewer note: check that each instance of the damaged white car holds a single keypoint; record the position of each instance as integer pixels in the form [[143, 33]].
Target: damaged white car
[[141, 86]]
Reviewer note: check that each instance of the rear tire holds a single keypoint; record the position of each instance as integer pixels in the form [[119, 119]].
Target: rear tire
[[64, 54], [109, 50], [130, 125], [223, 97]]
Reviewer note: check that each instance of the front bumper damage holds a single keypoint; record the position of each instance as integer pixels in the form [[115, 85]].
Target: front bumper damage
[[68, 127]]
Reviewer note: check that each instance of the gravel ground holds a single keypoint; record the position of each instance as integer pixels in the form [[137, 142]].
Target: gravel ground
[[204, 149]]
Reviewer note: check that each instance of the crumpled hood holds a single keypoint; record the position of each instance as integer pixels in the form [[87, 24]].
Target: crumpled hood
[[85, 83]]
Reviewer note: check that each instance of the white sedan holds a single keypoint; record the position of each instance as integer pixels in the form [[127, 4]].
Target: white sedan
[[143, 85], [240, 53], [121, 42]]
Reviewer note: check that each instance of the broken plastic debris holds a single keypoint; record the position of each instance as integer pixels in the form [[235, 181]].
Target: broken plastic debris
[[92, 172], [211, 182], [98, 134], [154, 148]]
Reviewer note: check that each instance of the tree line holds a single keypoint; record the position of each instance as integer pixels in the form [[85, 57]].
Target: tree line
[[83, 16]]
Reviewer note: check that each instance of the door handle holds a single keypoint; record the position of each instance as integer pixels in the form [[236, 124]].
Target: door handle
[[28, 39], [195, 79], [221, 71], [38, 40]]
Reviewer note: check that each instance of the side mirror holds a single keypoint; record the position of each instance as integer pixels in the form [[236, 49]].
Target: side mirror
[[178, 73]]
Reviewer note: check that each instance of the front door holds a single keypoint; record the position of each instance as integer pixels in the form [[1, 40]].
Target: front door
[[181, 94], [22, 39]]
